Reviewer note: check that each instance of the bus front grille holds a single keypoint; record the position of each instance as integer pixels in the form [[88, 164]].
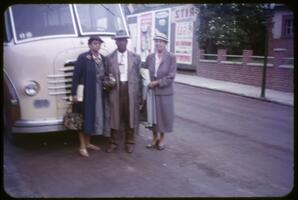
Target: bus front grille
[[60, 84]]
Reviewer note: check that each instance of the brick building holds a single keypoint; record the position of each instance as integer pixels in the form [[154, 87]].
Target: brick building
[[282, 34]]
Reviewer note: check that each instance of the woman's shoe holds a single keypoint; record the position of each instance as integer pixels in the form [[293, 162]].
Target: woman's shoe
[[84, 153], [160, 146], [93, 147], [152, 146]]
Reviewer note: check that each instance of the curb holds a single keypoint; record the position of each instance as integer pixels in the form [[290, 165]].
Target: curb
[[238, 94]]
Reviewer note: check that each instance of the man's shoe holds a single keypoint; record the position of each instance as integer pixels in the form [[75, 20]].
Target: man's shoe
[[129, 147], [111, 148]]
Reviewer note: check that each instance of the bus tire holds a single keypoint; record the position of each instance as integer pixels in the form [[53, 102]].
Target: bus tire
[[13, 138]]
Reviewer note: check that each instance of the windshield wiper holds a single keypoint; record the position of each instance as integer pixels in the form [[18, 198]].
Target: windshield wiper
[[108, 10]]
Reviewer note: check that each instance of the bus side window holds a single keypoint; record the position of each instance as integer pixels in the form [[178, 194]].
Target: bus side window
[[7, 28]]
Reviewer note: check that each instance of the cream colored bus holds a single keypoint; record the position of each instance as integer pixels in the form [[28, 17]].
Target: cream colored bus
[[41, 44]]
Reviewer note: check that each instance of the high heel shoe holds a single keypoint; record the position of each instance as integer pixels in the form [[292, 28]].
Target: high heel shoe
[[84, 153], [152, 146], [160, 146], [93, 147]]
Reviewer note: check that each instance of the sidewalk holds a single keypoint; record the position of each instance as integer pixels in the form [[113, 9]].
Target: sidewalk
[[235, 88]]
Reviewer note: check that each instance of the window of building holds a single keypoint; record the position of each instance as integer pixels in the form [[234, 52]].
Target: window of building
[[287, 26]]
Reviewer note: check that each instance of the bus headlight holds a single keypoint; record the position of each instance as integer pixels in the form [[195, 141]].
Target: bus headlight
[[32, 88]]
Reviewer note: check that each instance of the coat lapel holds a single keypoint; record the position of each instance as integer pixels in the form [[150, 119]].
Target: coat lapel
[[152, 66], [163, 57], [129, 61], [130, 64], [115, 62]]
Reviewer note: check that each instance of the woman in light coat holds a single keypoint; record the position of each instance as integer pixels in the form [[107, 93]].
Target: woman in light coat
[[162, 69]]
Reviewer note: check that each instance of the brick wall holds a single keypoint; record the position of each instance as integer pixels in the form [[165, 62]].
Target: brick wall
[[278, 78], [282, 43]]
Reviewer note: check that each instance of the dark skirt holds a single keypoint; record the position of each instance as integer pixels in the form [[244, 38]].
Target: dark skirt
[[79, 108]]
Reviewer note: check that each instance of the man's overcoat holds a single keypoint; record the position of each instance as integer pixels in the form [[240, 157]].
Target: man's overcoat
[[134, 89]]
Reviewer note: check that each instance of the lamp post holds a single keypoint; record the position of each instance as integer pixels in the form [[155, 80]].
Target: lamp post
[[267, 23]]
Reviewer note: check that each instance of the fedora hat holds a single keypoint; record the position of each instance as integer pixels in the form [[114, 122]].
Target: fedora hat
[[161, 36], [121, 34], [94, 37]]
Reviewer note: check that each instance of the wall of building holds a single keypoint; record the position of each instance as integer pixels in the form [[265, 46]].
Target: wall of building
[[278, 76], [275, 38]]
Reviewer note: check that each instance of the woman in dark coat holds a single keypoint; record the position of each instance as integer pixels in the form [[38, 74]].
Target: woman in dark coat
[[90, 71], [162, 69]]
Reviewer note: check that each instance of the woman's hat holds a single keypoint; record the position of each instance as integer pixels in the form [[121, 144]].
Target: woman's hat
[[121, 34], [161, 36], [94, 37]]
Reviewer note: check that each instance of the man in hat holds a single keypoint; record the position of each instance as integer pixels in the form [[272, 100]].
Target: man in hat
[[126, 95]]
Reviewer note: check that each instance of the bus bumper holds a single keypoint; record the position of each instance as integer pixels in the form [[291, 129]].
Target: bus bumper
[[40, 126]]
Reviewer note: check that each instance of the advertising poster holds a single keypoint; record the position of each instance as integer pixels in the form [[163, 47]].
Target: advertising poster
[[184, 13], [146, 35], [133, 29], [162, 23], [183, 42]]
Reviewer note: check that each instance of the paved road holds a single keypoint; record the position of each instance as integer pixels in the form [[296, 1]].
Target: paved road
[[223, 146]]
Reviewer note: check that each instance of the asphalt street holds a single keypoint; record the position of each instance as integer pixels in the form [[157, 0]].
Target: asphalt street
[[223, 145]]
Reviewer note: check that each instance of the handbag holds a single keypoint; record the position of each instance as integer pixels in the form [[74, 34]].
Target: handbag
[[109, 82], [72, 120]]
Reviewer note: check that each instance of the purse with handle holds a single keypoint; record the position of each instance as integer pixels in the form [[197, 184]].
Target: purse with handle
[[72, 120]]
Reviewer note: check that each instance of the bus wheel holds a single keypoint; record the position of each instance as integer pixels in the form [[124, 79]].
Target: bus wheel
[[13, 138]]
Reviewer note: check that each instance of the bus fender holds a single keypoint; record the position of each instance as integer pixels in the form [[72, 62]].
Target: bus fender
[[11, 104]]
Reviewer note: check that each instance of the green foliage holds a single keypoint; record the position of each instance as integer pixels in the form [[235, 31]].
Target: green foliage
[[232, 26]]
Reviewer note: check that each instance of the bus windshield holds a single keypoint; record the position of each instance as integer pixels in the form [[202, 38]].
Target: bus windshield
[[99, 18], [33, 21], [39, 20]]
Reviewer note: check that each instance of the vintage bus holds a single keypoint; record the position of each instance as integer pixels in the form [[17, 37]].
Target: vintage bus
[[41, 44]]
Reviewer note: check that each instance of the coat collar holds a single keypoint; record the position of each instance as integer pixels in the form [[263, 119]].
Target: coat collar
[[163, 56], [90, 57], [130, 59]]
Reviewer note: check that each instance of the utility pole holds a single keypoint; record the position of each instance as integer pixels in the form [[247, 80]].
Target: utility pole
[[264, 72], [267, 23]]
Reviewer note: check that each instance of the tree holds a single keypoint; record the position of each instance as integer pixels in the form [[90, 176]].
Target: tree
[[231, 26]]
